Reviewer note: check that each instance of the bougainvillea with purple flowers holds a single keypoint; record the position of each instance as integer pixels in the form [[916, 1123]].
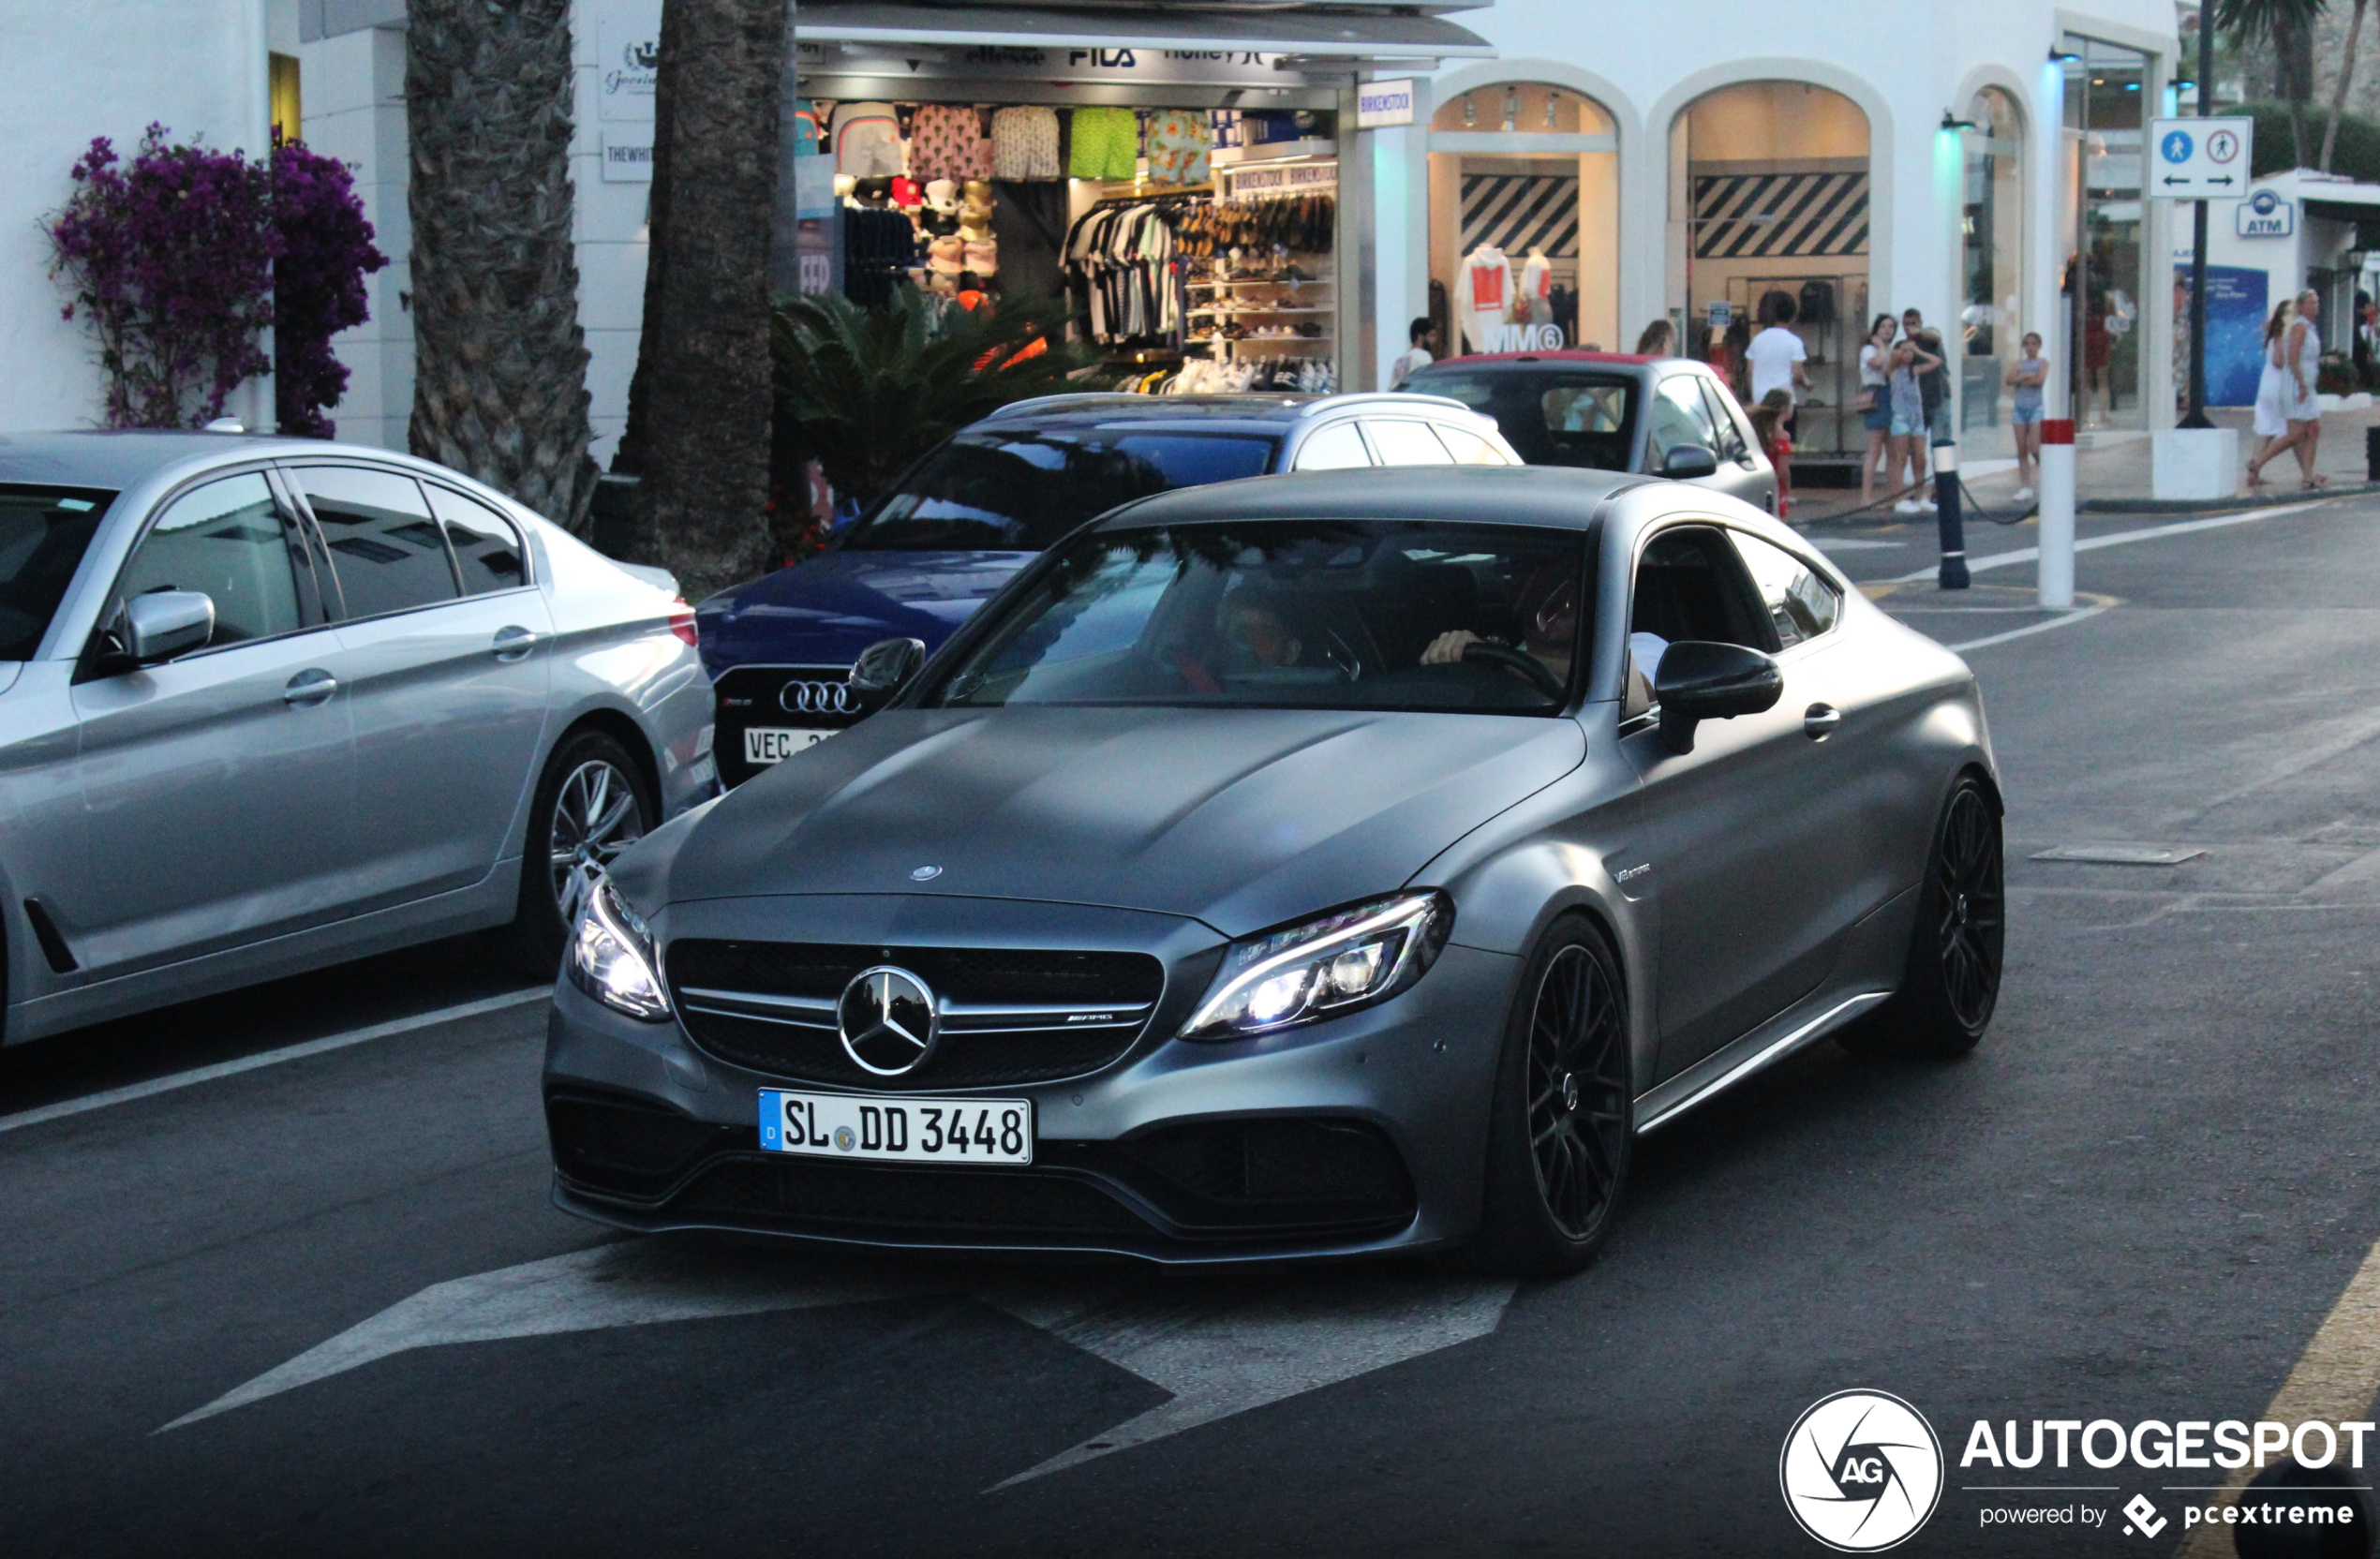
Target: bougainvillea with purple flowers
[[318, 283], [170, 258], [182, 257]]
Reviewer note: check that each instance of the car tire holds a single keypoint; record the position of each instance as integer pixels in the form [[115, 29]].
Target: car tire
[[1950, 983], [1564, 1119], [593, 801]]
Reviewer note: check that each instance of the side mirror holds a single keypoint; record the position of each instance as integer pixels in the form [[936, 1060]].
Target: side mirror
[[1689, 461], [1699, 681], [884, 668], [166, 623]]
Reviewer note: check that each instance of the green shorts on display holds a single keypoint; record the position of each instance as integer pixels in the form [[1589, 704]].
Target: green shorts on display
[[1107, 144]]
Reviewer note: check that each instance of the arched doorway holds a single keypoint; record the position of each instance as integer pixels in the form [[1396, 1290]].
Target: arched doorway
[[1769, 198], [1525, 174]]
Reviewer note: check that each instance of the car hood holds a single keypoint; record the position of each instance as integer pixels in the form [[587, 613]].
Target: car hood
[[828, 608], [1242, 818]]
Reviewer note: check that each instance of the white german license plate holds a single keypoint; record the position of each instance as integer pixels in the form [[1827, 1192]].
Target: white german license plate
[[914, 1130], [768, 744]]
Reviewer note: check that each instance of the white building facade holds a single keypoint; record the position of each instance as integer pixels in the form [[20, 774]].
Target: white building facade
[[1685, 160]]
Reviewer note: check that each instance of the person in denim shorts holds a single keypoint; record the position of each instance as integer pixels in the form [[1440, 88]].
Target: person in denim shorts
[[2026, 375], [1908, 362]]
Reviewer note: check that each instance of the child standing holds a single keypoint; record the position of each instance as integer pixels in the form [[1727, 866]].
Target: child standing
[[1768, 423]]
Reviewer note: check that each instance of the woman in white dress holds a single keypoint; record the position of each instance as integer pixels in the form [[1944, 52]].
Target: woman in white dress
[[2288, 413]]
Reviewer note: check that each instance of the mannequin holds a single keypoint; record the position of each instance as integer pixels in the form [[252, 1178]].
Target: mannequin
[[1483, 296], [1537, 288]]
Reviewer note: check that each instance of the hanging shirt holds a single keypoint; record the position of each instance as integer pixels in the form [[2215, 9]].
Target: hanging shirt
[[1486, 288]]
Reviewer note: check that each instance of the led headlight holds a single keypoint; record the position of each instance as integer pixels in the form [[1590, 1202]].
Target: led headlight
[[1332, 964], [610, 956]]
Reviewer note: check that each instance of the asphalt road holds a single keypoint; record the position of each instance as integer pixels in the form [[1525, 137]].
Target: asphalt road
[[338, 1279]]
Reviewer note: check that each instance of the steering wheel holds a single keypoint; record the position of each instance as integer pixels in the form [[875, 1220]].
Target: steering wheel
[[1532, 669]]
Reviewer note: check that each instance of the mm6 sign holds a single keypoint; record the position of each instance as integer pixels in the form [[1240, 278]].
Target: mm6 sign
[[2199, 159]]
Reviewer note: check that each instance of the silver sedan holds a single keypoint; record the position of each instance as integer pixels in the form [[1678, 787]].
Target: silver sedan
[[267, 704]]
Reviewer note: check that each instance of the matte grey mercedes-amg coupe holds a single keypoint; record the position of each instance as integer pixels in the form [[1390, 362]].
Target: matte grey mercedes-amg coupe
[[1304, 866]]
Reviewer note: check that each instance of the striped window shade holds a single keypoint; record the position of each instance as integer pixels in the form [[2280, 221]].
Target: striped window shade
[[1515, 211], [1779, 215]]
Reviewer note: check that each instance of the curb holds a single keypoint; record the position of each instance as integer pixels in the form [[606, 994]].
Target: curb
[[2223, 506]]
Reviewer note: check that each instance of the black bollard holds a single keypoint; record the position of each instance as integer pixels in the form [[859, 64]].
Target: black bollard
[[1946, 517], [2372, 453]]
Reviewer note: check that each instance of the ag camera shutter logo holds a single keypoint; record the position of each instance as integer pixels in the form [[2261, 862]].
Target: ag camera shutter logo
[[1860, 1470]]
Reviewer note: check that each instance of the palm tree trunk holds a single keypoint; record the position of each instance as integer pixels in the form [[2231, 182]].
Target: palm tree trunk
[[704, 404], [2339, 93], [499, 385]]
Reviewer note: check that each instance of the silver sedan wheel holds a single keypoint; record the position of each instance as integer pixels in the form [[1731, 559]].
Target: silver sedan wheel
[[595, 818]]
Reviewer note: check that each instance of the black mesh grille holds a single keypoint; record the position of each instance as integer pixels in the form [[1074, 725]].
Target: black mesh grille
[[1214, 1176], [829, 1196], [806, 1046], [631, 1150]]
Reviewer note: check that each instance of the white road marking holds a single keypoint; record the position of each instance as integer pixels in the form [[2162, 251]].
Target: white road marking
[[2118, 539], [1852, 543], [1220, 1345], [64, 1107], [2067, 621]]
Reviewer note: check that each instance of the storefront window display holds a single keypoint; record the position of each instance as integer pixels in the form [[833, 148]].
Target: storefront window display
[[1524, 221], [2105, 116], [1769, 204], [1991, 268], [1194, 243]]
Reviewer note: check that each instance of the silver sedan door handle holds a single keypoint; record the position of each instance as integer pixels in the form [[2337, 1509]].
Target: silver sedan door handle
[[309, 688], [512, 642], [1820, 720]]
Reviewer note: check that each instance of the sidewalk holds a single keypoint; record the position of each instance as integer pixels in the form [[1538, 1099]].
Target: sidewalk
[[2112, 473]]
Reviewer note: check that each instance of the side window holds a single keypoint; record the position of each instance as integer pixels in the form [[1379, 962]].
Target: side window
[[1468, 447], [1733, 443], [227, 539], [1689, 586], [1333, 448], [389, 554], [1800, 604], [1399, 442], [1680, 416], [487, 549]]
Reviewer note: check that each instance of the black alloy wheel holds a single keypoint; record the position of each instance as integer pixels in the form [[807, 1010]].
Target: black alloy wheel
[[592, 802], [1565, 1125], [1951, 984]]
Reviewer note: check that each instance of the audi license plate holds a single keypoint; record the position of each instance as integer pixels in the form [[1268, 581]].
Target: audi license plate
[[768, 744], [914, 1131]]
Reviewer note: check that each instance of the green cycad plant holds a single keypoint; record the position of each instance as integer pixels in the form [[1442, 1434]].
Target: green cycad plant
[[873, 389]]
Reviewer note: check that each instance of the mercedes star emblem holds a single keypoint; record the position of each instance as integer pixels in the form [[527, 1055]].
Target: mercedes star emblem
[[889, 1021]]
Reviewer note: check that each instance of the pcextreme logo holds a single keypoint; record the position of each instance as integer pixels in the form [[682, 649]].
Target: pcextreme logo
[[1861, 1470]]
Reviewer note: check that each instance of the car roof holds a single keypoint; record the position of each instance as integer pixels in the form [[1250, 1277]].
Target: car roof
[[1242, 412], [118, 457], [1563, 495], [1560, 355]]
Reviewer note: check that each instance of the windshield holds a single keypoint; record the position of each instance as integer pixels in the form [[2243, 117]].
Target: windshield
[[43, 532], [1290, 614], [1551, 416], [989, 491]]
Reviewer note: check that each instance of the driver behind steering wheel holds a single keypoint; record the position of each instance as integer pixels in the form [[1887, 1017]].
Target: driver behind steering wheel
[[1546, 623]]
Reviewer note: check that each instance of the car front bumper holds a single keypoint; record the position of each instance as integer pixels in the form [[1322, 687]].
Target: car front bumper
[[1365, 1133]]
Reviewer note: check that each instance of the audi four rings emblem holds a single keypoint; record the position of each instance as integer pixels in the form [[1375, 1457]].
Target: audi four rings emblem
[[815, 698], [888, 1020]]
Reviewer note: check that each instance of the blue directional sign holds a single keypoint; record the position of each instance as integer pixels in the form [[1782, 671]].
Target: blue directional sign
[[2200, 158]]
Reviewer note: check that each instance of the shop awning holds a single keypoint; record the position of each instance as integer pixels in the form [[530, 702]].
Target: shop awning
[[1339, 38]]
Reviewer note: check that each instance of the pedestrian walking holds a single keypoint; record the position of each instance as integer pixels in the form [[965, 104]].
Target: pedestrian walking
[[1422, 339], [1908, 361], [2288, 413], [1876, 401], [1659, 340], [1775, 355], [1768, 425], [2026, 376]]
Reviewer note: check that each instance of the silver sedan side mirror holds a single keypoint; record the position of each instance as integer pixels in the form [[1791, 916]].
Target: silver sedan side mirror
[[166, 623], [884, 667]]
